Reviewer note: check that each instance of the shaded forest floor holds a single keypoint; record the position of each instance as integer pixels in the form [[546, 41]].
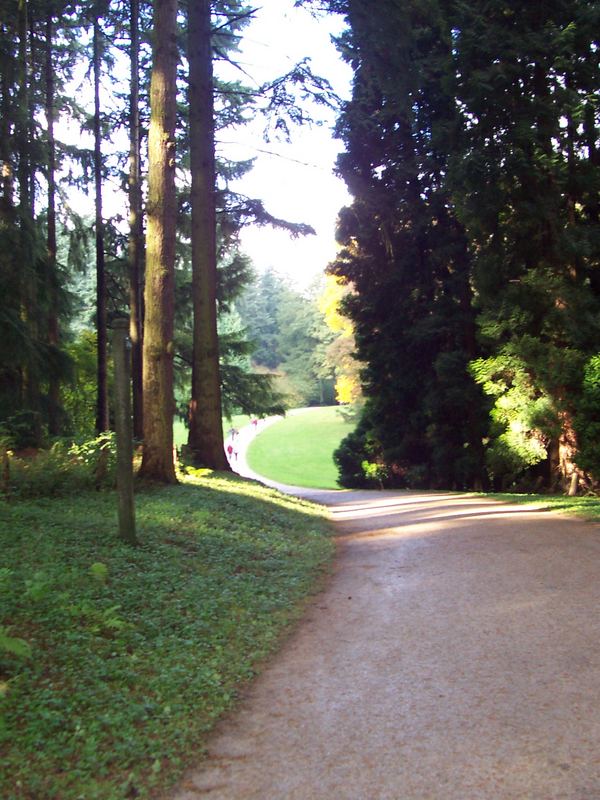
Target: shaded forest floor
[[115, 662]]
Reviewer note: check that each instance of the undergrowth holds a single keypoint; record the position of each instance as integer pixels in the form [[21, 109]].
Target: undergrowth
[[114, 661], [63, 469]]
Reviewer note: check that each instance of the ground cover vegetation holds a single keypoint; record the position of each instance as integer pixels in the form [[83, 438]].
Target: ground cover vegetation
[[298, 450], [471, 248], [587, 507], [115, 661]]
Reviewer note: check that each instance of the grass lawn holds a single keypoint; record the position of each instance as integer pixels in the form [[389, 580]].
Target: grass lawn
[[298, 450], [180, 432], [114, 661], [585, 507]]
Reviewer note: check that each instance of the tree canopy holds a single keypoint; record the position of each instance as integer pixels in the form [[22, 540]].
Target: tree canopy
[[471, 246]]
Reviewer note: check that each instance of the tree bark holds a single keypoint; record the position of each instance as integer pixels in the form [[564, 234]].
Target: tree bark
[[102, 418], [29, 298], [157, 461], [6, 156], [51, 278], [205, 415], [136, 234], [567, 452]]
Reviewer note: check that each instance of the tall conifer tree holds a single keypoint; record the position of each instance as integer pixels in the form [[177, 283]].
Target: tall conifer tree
[[157, 462], [404, 253], [206, 428]]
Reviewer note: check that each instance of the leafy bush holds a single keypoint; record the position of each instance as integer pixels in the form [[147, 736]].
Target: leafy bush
[[349, 458], [79, 395], [375, 472], [587, 419], [64, 469]]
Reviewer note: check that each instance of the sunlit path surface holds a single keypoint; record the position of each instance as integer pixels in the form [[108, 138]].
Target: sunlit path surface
[[454, 655]]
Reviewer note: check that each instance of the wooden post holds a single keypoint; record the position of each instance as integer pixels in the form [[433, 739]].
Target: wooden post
[[122, 356], [5, 470]]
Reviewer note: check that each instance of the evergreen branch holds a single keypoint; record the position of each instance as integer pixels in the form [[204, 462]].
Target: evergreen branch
[[233, 20]]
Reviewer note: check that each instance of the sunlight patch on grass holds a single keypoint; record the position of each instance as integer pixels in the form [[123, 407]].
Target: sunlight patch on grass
[[584, 507]]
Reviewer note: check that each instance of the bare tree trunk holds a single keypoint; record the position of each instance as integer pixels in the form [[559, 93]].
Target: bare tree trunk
[[29, 296], [157, 461], [6, 157], [136, 235], [31, 112], [206, 426], [53, 326], [567, 452], [102, 419]]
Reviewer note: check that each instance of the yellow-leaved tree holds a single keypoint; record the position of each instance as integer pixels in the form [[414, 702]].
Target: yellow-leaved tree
[[340, 353]]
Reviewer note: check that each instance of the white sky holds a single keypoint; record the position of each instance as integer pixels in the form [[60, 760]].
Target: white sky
[[277, 38]]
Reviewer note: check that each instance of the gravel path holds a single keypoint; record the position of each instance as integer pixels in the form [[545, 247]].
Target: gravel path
[[455, 655]]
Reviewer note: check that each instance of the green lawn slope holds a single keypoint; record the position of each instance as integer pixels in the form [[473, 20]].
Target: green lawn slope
[[298, 450], [114, 661], [180, 431]]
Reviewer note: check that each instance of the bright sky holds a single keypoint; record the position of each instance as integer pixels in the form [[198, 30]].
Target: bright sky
[[294, 180], [279, 37]]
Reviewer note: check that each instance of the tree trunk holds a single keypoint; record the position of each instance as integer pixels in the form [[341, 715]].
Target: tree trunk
[[29, 296], [102, 418], [206, 425], [51, 278], [567, 452], [6, 156], [31, 114], [157, 461], [136, 235]]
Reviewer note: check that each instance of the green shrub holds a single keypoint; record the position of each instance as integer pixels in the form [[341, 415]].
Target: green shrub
[[349, 458], [587, 419], [375, 473], [64, 469]]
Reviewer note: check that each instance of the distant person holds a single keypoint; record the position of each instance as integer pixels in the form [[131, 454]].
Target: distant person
[[255, 423], [229, 451]]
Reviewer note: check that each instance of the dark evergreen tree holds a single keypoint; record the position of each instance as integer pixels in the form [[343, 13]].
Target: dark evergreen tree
[[525, 178], [259, 307], [35, 61], [403, 251]]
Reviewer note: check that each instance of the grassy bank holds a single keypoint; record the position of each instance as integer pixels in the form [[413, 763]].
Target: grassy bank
[[298, 450], [115, 662], [584, 507]]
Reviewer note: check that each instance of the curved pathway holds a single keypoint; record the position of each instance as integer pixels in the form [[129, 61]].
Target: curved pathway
[[454, 655]]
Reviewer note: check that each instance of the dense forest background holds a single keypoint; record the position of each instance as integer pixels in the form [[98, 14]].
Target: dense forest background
[[472, 246], [468, 264]]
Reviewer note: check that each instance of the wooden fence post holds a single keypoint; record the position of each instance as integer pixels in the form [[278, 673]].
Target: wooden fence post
[[123, 425]]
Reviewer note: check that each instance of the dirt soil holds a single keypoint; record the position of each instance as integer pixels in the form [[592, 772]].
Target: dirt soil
[[454, 655]]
